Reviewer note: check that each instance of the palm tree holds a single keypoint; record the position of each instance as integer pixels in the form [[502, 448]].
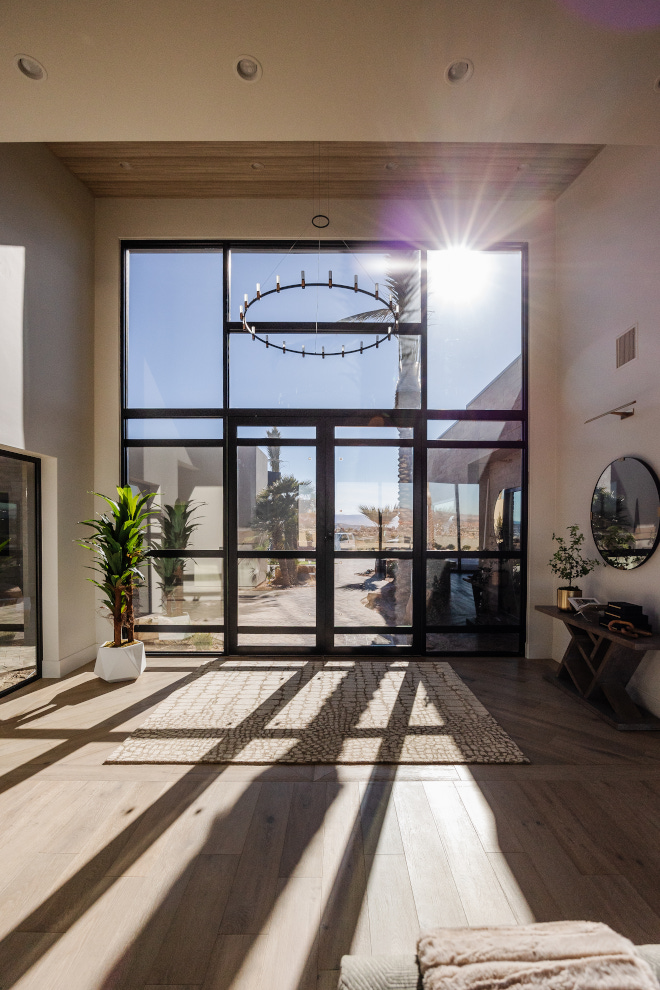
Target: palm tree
[[382, 516], [276, 519]]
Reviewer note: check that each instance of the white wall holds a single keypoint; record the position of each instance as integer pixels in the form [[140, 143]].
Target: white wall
[[45, 210], [608, 249], [481, 223]]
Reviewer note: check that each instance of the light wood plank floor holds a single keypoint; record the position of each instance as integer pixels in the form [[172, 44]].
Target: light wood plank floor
[[211, 878]]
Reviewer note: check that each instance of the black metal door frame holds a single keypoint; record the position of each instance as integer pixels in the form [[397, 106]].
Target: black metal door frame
[[324, 553]]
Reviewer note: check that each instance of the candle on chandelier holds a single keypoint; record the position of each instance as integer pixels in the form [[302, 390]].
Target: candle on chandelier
[[258, 290], [342, 350], [303, 350], [376, 292], [277, 283], [330, 280], [284, 347], [302, 280], [355, 285]]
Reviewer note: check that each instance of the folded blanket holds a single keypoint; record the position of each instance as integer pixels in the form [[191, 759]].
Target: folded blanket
[[558, 955], [379, 973]]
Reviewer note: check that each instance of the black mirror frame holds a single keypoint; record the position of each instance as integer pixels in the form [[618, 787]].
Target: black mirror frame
[[656, 482]]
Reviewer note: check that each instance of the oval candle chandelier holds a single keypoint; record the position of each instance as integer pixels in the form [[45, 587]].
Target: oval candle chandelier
[[390, 305]]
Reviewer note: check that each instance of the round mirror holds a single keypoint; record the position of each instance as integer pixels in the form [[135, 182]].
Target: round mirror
[[625, 511]]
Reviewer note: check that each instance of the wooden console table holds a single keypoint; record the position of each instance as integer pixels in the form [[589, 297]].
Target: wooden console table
[[597, 666]]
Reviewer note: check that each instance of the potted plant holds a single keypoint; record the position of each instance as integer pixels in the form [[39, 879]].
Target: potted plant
[[119, 547], [568, 563]]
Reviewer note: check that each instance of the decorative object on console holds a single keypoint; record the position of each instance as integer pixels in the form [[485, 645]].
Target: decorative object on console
[[630, 618], [625, 510], [568, 563]]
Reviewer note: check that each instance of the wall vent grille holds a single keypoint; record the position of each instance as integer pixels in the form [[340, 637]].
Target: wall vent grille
[[626, 347]]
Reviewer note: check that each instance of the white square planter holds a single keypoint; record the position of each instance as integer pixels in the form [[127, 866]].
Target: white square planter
[[120, 663]]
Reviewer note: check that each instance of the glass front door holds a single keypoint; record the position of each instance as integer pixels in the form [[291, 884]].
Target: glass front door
[[323, 536]]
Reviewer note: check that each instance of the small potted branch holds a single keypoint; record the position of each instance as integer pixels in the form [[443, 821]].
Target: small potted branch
[[119, 547], [568, 563]]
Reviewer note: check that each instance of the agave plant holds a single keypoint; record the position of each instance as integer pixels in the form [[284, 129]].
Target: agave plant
[[176, 530], [119, 547]]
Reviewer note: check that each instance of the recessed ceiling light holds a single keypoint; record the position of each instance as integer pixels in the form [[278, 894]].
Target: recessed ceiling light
[[30, 67], [257, 165], [656, 85], [523, 167], [392, 166], [248, 68], [125, 165], [458, 71]]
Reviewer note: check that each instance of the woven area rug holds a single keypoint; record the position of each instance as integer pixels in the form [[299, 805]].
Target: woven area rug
[[325, 710]]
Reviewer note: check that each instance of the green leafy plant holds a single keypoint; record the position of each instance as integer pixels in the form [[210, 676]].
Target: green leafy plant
[[119, 547], [567, 561], [176, 531]]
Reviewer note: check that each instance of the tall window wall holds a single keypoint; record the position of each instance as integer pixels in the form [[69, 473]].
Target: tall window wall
[[375, 495]]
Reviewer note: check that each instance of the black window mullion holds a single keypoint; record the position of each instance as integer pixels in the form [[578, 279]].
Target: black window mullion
[[419, 564], [231, 512], [325, 588]]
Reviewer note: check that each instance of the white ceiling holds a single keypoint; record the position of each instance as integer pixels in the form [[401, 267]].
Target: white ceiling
[[333, 70]]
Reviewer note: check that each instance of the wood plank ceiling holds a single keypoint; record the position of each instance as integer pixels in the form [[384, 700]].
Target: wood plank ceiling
[[333, 170]]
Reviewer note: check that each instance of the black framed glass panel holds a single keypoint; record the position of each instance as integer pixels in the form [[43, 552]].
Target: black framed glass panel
[[471, 498], [186, 485], [387, 273], [475, 323], [20, 604], [276, 496], [276, 377], [174, 322]]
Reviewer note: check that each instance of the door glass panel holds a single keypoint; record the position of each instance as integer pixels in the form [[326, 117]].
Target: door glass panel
[[474, 329], [472, 591], [394, 271], [373, 592], [175, 329], [277, 639], [18, 572], [276, 504], [186, 484], [464, 487], [276, 591], [373, 498], [474, 429], [386, 377]]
